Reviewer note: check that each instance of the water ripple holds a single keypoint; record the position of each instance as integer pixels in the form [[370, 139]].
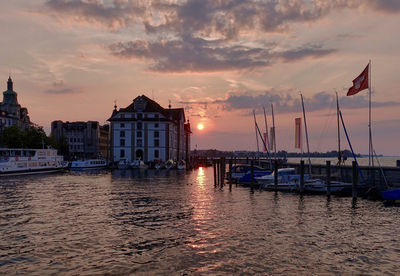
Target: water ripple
[[168, 222]]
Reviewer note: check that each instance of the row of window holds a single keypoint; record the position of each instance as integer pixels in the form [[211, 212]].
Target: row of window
[[139, 134], [138, 125], [139, 116], [139, 143], [156, 153], [71, 140]]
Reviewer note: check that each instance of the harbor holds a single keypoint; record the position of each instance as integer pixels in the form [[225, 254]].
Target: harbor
[[177, 222]]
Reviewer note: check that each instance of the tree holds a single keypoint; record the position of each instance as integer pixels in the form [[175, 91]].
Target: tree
[[13, 137]]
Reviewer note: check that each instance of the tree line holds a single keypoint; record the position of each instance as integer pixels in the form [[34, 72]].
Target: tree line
[[33, 137]]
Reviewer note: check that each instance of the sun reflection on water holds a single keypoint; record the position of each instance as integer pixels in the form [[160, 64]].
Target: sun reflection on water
[[200, 177]]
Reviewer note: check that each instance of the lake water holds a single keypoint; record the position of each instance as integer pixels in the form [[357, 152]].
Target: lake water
[[171, 222]]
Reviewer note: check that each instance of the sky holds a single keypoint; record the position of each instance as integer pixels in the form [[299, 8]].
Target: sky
[[72, 60]]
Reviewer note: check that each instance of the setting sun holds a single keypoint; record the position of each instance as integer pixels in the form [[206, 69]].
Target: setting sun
[[200, 126]]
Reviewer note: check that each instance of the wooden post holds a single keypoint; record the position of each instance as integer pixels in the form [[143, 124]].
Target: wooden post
[[301, 176], [230, 173], [328, 178], [252, 172], [222, 171], [355, 180], [247, 160], [218, 171], [276, 175], [215, 172]]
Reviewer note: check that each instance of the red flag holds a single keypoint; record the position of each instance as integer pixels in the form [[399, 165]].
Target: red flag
[[360, 83]]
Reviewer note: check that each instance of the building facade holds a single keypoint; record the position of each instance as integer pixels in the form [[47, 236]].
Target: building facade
[[85, 139], [11, 112], [144, 130]]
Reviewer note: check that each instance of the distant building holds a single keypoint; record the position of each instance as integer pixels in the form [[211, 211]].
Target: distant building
[[145, 130], [85, 139], [11, 112]]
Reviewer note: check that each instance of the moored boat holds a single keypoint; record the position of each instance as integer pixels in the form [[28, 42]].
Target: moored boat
[[30, 161], [181, 165], [169, 164], [89, 164], [138, 164], [123, 164]]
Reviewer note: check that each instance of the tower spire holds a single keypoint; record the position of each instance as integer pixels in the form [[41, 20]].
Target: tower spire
[[10, 83]]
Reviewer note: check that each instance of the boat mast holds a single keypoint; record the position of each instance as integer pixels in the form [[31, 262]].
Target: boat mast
[[255, 127], [266, 135], [305, 126], [338, 127], [273, 138]]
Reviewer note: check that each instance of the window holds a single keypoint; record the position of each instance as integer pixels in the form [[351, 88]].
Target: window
[[122, 116], [156, 143], [139, 125], [156, 125], [122, 153], [122, 125], [139, 134], [139, 116], [155, 115], [122, 142], [156, 154], [122, 133], [139, 143], [71, 140], [156, 134]]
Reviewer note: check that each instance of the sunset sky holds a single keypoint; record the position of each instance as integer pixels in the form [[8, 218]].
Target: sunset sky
[[71, 59]]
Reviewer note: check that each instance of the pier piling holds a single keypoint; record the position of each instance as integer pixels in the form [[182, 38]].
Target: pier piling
[[276, 175], [252, 172], [215, 172], [301, 176], [354, 180], [230, 173], [328, 178]]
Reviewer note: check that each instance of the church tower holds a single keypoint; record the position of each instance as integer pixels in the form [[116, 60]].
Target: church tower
[[10, 96]]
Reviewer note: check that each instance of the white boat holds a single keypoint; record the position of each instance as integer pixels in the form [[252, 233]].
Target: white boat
[[30, 161], [181, 165], [158, 165], [89, 164], [288, 180], [169, 164], [123, 164], [138, 164]]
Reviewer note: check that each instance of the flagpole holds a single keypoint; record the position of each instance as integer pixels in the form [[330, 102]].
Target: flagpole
[[371, 159]]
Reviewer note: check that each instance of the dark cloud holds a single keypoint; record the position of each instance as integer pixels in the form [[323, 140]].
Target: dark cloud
[[286, 102], [199, 55], [59, 87], [116, 15], [387, 6], [207, 35]]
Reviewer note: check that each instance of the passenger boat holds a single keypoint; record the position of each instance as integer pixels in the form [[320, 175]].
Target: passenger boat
[[138, 164], [30, 161], [89, 164]]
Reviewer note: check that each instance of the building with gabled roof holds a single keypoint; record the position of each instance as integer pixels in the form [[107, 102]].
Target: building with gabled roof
[[144, 130]]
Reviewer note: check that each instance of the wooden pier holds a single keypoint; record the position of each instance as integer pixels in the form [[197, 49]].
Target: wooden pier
[[373, 176]]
